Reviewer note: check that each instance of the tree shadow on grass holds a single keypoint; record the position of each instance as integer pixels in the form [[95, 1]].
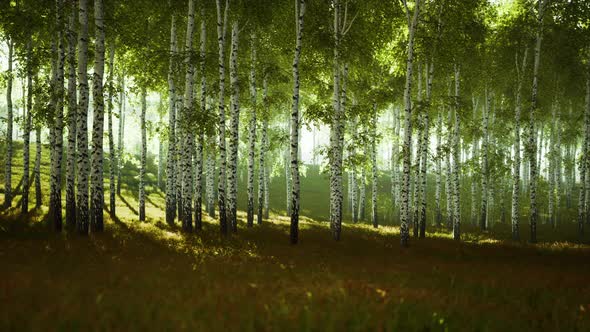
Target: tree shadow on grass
[[128, 205]]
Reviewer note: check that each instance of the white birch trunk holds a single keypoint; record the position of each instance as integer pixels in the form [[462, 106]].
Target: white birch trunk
[[143, 156], [221, 32], [373, 134], [517, 159], [407, 148], [112, 153], [38, 196], [201, 137], [252, 133], [171, 166], [186, 134], [82, 158], [262, 151], [72, 110], [456, 163], [294, 229], [55, 210], [96, 175], [234, 141], [9, 125], [120, 144], [27, 132]]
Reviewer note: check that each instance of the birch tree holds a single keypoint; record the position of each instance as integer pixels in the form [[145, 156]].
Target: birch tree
[[55, 213], [516, 167], [252, 132], [171, 169], [9, 130], [232, 178], [72, 115], [542, 4], [82, 159], [294, 229], [96, 178], [221, 32], [412, 21], [112, 153], [143, 153]]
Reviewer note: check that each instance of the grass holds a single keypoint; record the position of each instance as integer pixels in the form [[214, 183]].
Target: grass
[[149, 276]]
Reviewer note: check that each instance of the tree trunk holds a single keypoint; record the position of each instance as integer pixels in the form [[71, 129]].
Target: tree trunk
[[72, 111], [532, 119], [456, 162], [558, 167], [112, 153], [407, 147], [582, 208], [186, 135], [27, 132], [449, 169], [96, 177], [483, 221], [178, 153], [55, 215], [335, 200], [517, 159], [9, 124], [120, 145], [294, 229], [252, 133], [211, 176], [352, 183], [439, 157], [142, 165], [373, 134], [263, 150], [551, 169], [82, 159], [171, 167], [221, 32], [362, 194], [38, 200], [232, 197], [201, 137]]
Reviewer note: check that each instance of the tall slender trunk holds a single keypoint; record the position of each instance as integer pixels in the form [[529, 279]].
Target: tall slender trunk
[[288, 178], [72, 111], [262, 151], [171, 169], [55, 213], [532, 119], [38, 198], [112, 153], [120, 145], [96, 177], [232, 179], [439, 157], [352, 183], [394, 161], [362, 202], [424, 150], [456, 162], [142, 163], [294, 229], [201, 137], [449, 169], [483, 221], [178, 153], [186, 134], [9, 124], [211, 176], [551, 169], [373, 135], [558, 166], [585, 152], [335, 201], [407, 147], [582, 208], [82, 159], [27, 131], [221, 32], [517, 159], [252, 133]]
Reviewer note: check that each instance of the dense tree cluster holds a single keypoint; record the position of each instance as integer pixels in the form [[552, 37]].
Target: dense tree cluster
[[468, 106]]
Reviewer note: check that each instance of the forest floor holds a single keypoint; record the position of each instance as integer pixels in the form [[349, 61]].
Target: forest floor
[[150, 276]]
